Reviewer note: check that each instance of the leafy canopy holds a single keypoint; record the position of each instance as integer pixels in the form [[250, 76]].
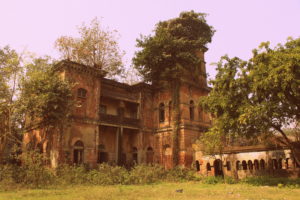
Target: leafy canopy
[[45, 98], [250, 98], [173, 47], [96, 47]]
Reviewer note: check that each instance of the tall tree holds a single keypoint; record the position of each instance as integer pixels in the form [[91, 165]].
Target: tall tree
[[45, 99], [10, 71], [169, 53], [96, 47], [251, 98]]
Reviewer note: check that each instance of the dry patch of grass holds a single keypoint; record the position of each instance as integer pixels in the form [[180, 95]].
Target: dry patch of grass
[[162, 191]]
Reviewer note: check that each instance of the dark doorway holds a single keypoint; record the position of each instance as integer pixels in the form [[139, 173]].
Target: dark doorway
[[197, 165], [135, 155], [78, 152], [218, 168]]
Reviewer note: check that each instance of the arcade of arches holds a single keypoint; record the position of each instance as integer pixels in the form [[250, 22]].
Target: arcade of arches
[[245, 164]]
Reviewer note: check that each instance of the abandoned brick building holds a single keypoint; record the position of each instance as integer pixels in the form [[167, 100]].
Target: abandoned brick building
[[124, 124], [119, 123]]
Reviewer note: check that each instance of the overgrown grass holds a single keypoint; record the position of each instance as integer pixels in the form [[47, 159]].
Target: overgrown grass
[[34, 175], [160, 191]]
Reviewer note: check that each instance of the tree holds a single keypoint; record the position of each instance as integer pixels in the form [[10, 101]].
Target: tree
[[170, 52], [95, 47], [45, 100], [32, 96], [258, 96], [10, 70]]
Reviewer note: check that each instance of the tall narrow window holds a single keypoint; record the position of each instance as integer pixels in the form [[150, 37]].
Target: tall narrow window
[[262, 164], [208, 167], [81, 93], [228, 165], [78, 152], [244, 165], [170, 110], [161, 112], [256, 165], [103, 109], [197, 165], [191, 110], [135, 155]]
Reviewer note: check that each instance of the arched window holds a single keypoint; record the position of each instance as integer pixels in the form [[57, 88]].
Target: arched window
[[256, 165], [192, 114], [287, 163], [161, 112], [78, 152], [149, 155], [208, 167], [274, 164], [250, 165], [228, 165], [197, 165], [170, 110], [81, 93], [262, 164], [280, 163], [244, 165], [237, 165], [135, 155]]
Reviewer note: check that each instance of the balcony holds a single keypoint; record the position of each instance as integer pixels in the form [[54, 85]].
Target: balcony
[[119, 121]]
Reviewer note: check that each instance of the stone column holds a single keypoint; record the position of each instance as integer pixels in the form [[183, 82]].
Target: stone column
[[119, 136]]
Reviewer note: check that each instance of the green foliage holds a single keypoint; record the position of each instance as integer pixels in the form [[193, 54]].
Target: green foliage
[[45, 98], [213, 180], [10, 71], [95, 47], [173, 47], [32, 173], [272, 181], [251, 98], [145, 174], [171, 52]]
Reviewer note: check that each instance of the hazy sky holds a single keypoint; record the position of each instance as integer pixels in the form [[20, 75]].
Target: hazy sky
[[240, 24]]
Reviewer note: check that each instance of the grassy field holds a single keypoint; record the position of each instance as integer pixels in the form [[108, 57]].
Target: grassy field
[[163, 191]]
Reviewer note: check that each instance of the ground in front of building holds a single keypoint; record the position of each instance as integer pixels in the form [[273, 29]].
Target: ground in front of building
[[162, 191]]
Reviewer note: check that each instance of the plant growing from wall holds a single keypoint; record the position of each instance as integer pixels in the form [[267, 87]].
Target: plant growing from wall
[[169, 53], [96, 46]]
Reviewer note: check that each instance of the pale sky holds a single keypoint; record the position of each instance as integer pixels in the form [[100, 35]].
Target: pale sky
[[241, 25]]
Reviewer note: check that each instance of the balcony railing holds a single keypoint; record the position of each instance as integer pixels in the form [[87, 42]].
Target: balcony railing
[[118, 120]]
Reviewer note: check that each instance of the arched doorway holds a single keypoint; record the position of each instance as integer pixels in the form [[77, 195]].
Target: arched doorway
[[102, 154], [167, 156], [218, 167], [78, 152], [149, 155], [197, 165], [135, 155]]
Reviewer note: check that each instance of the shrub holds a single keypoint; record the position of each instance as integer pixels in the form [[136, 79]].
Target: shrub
[[181, 174], [145, 174], [271, 181], [213, 180]]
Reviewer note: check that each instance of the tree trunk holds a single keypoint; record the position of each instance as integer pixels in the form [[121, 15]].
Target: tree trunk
[[295, 151]]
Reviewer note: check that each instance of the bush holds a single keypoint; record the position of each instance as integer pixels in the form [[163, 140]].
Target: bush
[[213, 180], [145, 174], [272, 181], [181, 174], [32, 172]]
